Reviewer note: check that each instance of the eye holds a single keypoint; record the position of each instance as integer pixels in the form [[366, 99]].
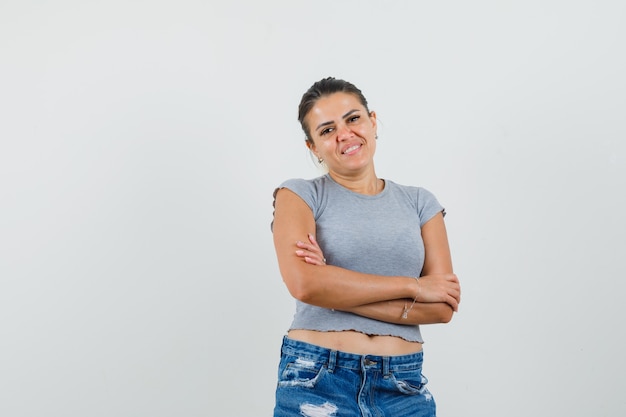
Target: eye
[[354, 119], [326, 131]]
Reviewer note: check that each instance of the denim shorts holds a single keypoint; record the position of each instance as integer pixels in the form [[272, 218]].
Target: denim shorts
[[317, 382]]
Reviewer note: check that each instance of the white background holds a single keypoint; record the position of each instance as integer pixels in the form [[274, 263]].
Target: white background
[[141, 142]]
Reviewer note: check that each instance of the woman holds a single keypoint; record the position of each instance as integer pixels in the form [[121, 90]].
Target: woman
[[367, 261]]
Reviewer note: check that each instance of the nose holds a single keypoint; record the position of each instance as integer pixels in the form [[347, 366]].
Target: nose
[[343, 132]]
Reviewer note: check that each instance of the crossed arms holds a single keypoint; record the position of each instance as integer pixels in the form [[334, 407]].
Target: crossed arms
[[301, 262]]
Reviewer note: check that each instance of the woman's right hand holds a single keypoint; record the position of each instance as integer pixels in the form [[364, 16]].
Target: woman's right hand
[[311, 252], [438, 288]]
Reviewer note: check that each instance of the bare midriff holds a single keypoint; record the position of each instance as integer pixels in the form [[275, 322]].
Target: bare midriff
[[356, 342]]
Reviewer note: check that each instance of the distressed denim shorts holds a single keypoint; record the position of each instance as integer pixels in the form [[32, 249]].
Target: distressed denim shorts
[[317, 382]]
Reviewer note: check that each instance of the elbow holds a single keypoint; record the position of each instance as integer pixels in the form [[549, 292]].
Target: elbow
[[299, 287], [447, 318], [303, 294], [446, 314], [300, 293]]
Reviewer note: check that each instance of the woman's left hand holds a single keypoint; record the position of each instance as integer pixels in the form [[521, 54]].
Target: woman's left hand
[[311, 252]]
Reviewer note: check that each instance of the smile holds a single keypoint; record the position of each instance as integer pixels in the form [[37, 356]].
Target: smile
[[351, 149]]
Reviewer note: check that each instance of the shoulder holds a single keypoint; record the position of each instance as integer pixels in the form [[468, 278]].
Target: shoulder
[[415, 192], [301, 185], [309, 190], [421, 198], [299, 182]]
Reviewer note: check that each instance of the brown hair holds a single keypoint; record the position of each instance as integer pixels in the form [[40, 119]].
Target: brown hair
[[321, 88]]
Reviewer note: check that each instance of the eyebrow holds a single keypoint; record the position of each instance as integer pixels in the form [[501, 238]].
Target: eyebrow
[[331, 122]]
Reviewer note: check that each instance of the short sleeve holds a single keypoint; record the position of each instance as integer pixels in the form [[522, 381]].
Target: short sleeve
[[305, 189], [427, 205]]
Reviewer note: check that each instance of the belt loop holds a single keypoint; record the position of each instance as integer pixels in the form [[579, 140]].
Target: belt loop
[[332, 360], [386, 365]]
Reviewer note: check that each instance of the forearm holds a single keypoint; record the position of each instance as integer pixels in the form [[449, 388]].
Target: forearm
[[308, 278], [391, 312], [334, 287]]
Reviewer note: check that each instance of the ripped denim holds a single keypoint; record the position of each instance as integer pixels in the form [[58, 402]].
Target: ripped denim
[[317, 382]]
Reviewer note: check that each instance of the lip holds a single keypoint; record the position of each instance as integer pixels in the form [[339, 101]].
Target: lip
[[356, 147]]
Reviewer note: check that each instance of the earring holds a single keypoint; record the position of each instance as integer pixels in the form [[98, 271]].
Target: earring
[[319, 160]]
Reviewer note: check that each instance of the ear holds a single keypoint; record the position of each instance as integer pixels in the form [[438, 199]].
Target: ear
[[312, 149], [373, 118]]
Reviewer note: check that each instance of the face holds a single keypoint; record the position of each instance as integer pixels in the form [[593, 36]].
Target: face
[[343, 133]]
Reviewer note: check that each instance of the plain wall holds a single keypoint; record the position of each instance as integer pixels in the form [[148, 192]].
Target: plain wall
[[141, 142]]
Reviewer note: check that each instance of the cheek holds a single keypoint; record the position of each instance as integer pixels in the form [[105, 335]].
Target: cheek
[[327, 148], [368, 133]]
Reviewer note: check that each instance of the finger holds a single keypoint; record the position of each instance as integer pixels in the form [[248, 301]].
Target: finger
[[310, 248], [453, 303], [313, 248], [305, 245], [454, 292], [311, 257], [457, 297], [313, 261], [305, 253]]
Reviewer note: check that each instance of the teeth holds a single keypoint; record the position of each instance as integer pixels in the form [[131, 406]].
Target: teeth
[[351, 148]]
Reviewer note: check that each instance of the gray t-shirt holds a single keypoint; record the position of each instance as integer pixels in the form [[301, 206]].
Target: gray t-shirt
[[376, 234]]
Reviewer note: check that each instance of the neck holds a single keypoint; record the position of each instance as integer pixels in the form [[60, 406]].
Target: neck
[[366, 184]]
